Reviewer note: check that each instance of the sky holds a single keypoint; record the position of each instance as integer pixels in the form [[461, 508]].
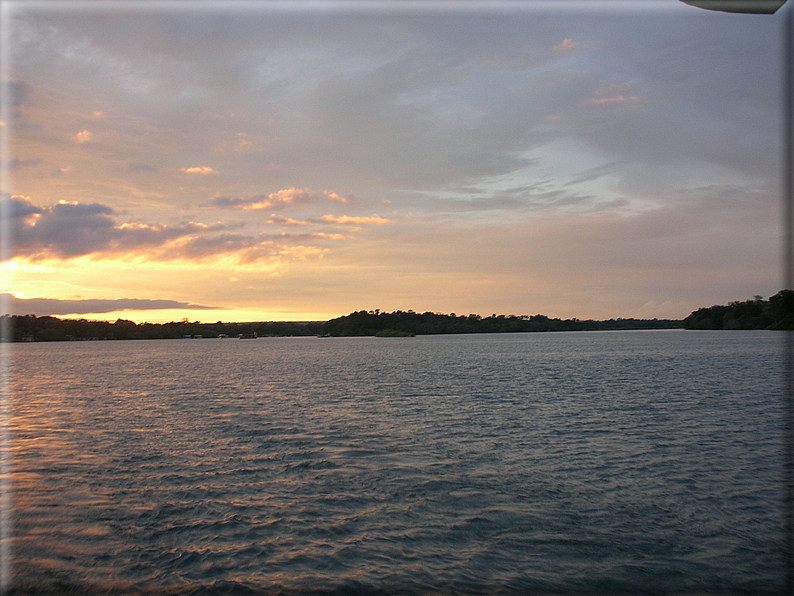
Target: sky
[[271, 161]]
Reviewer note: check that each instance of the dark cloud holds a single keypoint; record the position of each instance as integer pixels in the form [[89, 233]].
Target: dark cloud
[[51, 306], [68, 230], [19, 207], [66, 209]]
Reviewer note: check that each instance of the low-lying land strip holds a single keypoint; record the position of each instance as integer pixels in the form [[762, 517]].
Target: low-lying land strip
[[775, 313], [396, 324]]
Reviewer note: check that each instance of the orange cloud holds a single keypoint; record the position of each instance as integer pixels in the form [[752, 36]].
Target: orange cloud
[[329, 194], [198, 170], [326, 236], [71, 230], [328, 219], [351, 219], [277, 200], [83, 136], [286, 196]]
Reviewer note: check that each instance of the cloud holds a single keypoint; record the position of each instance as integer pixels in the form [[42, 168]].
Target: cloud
[[67, 230], [352, 219], [277, 200], [273, 200], [595, 173], [329, 194], [328, 219], [19, 206], [287, 221], [71, 229], [326, 236], [204, 170], [83, 136], [68, 209], [567, 44], [200, 247], [52, 306]]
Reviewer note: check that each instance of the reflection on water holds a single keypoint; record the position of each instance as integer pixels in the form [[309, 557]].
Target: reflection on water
[[600, 461]]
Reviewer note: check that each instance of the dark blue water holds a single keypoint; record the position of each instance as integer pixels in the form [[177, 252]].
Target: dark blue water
[[597, 462]]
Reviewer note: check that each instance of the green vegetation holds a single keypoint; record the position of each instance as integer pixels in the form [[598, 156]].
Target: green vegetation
[[775, 313], [396, 324], [410, 323], [32, 328]]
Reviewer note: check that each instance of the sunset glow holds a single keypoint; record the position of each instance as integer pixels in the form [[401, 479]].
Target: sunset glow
[[267, 165]]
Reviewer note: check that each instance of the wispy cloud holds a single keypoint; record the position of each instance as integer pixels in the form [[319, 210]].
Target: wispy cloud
[[329, 219], [198, 170], [566, 44], [52, 306], [287, 221], [353, 219], [613, 93], [278, 199]]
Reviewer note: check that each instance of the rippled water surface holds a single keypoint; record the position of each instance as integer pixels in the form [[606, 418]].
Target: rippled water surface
[[619, 461]]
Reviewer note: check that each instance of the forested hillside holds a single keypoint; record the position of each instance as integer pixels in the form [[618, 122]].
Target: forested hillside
[[775, 313]]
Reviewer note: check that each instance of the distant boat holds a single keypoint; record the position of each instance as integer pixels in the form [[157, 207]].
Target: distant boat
[[323, 335], [222, 335], [247, 335]]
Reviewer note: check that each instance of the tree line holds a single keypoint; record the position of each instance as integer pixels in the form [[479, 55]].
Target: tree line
[[33, 328], [396, 324], [428, 323], [775, 313]]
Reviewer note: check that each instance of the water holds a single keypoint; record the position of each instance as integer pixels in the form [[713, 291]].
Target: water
[[597, 462]]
